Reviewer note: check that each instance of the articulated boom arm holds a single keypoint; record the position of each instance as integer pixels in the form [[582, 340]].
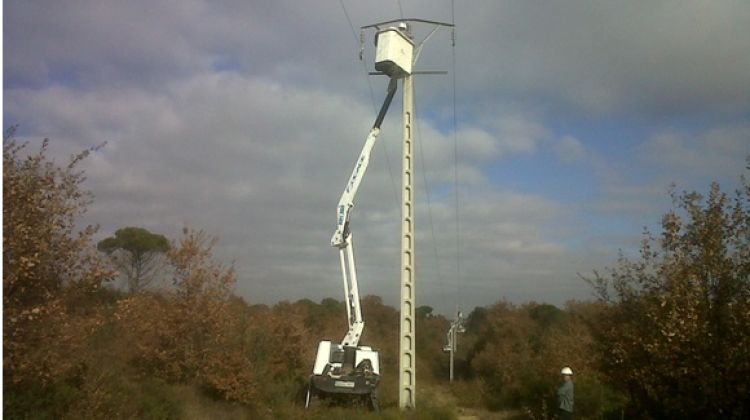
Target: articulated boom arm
[[342, 237]]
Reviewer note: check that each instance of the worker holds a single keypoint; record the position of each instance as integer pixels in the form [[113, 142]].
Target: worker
[[565, 394]]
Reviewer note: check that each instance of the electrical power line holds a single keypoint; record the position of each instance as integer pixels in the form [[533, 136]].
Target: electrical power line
[[429, 203], [455, 155], [372, 100], [421, 151]]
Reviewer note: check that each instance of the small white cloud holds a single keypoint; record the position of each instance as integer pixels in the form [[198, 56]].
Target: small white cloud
[[478, 145], [519, 134], [570, 150], [719, 152]]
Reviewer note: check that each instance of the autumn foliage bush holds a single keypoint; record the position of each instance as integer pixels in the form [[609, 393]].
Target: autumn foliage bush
[[676, 334], [49, 271], [189, 333], [515, 353]]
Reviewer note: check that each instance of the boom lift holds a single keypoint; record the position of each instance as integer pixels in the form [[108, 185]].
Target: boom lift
[[348, 368]]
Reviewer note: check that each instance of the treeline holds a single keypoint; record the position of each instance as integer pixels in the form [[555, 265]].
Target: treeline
[[668, 335]]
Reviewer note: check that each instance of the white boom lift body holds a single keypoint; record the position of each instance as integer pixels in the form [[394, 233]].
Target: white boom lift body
[[347, 367]]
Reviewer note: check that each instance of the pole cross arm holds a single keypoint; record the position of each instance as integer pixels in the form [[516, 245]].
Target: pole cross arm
[[431, 22]]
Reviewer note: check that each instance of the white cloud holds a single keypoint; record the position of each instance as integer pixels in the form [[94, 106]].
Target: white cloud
[[719, 152], [244, 118], [519, 134], [570, 149], [261, 166], [652, 58]]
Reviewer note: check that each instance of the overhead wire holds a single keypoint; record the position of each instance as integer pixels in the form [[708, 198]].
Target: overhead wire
[[419, 142], [372, 99], [364, 65], [421, 152], [420, 147], [459, 291]]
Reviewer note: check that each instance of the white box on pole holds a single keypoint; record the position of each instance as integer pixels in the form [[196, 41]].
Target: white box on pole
[[394, 52]]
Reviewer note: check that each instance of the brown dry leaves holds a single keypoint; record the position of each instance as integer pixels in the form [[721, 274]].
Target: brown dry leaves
[[190, 334]]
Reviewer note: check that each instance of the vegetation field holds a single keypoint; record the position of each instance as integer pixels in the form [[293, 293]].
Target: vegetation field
[[666, 336]]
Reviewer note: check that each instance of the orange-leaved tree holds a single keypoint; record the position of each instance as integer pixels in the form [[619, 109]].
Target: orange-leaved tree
[[191, 334], [517, 352], [49, 266], [676, 333]]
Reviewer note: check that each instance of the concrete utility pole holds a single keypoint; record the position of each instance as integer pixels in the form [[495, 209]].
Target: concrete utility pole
[[407, 353], [396, 53], [457, 326]]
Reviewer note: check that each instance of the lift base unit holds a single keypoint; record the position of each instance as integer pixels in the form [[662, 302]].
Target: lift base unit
[[341, 370]]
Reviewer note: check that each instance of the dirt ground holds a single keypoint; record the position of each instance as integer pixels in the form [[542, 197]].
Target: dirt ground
[[477, 414], [443, 396]]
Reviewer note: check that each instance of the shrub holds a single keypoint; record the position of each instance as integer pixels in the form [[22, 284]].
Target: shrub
[[676, 333], [51, 278]]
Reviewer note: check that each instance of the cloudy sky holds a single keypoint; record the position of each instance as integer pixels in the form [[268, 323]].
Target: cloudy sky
[[244, 118]]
